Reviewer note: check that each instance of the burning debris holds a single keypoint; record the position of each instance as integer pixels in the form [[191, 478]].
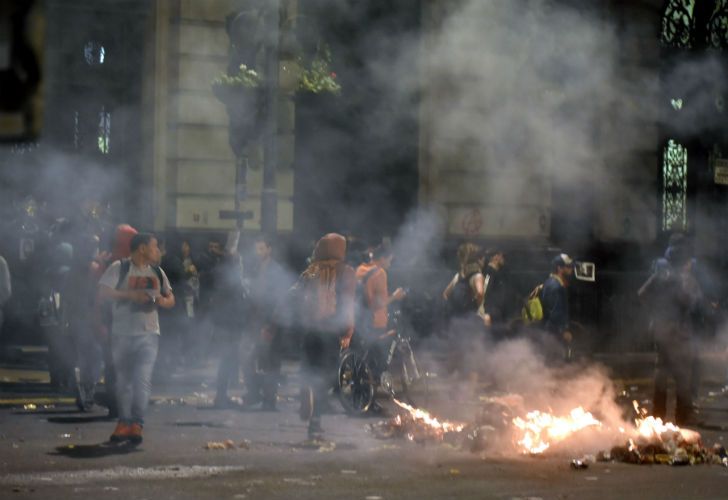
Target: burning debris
[[415, 425], [648, 441], [539, 430]]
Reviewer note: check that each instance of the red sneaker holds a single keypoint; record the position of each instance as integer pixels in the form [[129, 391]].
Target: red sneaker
[[135, 433], [121, 433]]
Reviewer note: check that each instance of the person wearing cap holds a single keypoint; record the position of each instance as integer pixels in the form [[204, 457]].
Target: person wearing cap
[[555, 297]]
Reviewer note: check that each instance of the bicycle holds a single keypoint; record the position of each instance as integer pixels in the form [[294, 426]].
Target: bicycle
[[361, 374]]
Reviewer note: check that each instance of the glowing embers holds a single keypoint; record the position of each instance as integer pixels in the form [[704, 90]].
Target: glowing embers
[[539, 430], [415, 425]]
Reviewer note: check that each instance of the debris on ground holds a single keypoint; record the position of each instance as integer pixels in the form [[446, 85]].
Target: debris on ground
[[228, 444]]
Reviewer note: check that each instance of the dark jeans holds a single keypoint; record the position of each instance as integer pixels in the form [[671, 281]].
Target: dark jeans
[[674, 359], [321, 360], [263, 370], [229, 368]]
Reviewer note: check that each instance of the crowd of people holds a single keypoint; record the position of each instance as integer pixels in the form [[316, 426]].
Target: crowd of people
[[131, 301]]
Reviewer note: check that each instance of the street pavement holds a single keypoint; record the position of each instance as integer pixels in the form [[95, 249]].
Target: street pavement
[[49, 450]]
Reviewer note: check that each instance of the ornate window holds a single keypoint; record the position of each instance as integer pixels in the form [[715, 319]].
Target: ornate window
[[677, 23], [104, 135], [674, 187], [718, 25]]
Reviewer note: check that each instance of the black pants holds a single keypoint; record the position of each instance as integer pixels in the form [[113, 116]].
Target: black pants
[[321, 359], [674, 359], [263, 370], [229, 368]]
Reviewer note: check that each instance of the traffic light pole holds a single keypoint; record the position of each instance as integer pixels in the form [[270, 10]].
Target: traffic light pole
[[269, 195]]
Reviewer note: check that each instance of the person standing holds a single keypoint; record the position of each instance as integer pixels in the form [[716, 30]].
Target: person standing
[[555, 298], [495, 293], [268, 289], [327, 291], [675, 297], [464, 298], [136, 287], [227, 298], [374, 301]]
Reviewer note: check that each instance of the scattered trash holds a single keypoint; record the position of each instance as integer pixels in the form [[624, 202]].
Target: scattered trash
[[298, 481], [373, 497], [111, 488], [579, 464], [454, 472], [220, 445], [245, 444], [326, 446], [30, 406], [65, 436]]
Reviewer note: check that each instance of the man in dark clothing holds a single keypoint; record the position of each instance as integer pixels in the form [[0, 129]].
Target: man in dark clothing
[[221, 279], [675, 297], [494, 293], [327, 291], [268, 289], [555, 298]]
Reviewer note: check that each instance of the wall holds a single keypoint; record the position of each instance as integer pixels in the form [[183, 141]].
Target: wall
[[192, 165]]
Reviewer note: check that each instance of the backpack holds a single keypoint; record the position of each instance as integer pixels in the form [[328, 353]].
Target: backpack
[[318, 284], [462, 298], [532, 311], [363, 319]]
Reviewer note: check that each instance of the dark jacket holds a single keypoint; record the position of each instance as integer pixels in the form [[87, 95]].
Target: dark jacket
[[555, 303], [494, 303]]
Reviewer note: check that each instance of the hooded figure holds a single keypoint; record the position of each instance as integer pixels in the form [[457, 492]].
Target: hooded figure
[[328, 288], [329, 285]]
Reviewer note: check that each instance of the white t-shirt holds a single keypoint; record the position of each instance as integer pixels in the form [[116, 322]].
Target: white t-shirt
[[129, 318]]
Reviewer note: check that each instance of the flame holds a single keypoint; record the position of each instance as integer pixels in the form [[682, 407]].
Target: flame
[[542, 429], [651, 428], [425, 418]]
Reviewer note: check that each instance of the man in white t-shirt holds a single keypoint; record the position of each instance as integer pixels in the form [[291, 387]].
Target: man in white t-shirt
[[136, 287]]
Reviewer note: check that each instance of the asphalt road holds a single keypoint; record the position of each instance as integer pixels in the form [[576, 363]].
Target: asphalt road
[[55, 452]]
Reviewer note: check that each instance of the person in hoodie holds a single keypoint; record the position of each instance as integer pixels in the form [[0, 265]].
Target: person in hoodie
[[120, 249], [326, 292]]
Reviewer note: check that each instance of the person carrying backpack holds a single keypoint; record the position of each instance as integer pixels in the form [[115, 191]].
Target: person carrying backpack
[[464, 298], [555, 298], [326, 292], [136, 287]]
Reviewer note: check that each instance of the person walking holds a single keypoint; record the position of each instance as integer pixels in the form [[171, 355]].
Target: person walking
[[136, 287], [326, 291]]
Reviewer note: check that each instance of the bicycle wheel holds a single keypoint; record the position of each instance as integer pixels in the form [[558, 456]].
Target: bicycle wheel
[[356, 384]]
